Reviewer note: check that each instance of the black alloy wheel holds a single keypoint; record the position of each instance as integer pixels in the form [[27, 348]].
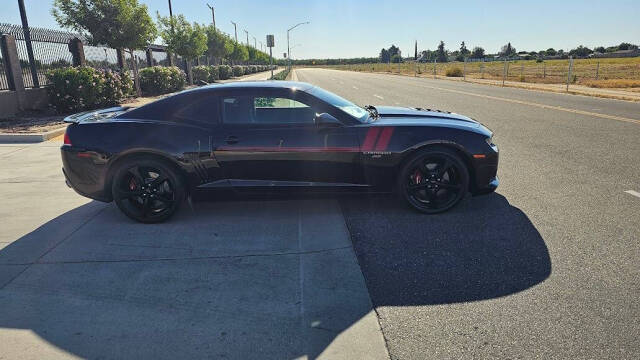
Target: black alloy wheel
[[434, 180], [147, 191]]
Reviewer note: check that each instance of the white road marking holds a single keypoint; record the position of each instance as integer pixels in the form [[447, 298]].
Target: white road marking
[[634, 193], [355, 87], [378, 96]]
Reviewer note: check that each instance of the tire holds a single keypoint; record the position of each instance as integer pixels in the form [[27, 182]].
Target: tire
[[147, 190], [434, 180]]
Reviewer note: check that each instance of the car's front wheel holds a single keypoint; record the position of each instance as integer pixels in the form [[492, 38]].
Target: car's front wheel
[[434, 180], [147, 190]]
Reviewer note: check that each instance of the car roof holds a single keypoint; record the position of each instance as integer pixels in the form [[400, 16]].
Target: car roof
[[270, 84]]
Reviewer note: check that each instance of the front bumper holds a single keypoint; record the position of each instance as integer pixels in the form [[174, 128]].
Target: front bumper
[[491, 187]]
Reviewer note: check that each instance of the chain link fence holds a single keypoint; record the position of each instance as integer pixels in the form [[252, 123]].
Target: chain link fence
[[51, 50]]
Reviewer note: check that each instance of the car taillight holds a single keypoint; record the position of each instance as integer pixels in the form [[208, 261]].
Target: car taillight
[[67, 141]]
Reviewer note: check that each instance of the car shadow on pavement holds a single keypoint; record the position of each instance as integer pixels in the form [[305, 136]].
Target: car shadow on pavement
[[482, 249], [113, 288]]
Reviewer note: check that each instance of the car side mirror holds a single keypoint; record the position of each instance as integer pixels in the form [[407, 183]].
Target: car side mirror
[[326, 120]]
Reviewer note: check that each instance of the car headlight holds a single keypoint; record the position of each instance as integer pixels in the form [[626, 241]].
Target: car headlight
[[489, 141]]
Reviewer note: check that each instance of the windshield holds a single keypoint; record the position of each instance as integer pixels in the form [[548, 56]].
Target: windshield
[[341, 103]]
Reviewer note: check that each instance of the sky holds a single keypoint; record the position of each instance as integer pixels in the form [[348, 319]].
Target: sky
[[360, 28]]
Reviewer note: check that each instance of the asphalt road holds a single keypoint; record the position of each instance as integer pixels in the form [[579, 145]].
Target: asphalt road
[[548, 267]]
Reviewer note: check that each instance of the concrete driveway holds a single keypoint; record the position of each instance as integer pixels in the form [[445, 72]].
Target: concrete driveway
[[228, 279]]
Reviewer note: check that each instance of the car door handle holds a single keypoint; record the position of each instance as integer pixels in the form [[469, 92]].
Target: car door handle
[[231, 140]]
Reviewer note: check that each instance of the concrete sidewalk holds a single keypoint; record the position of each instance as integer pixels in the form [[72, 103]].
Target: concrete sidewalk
[[229, 279]]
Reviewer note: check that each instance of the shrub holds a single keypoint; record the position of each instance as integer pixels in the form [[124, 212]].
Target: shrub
[[224, 72], [238, 70], [282, 75], [454, 72], [213, 73], [200, 73], [84, 88], [158, 80], [254, 69]]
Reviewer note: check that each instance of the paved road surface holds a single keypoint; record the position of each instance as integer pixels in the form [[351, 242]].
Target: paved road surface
[[548, 267]]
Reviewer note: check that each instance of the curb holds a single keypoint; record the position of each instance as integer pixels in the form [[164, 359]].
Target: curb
[[6, 138]]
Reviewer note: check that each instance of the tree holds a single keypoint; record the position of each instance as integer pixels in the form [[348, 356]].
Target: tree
[[217, 43], [182, 38], [384, 56], [507, 50], [580, 51], [396, 58], [239, 53], [441, 53], [394, 50], [551, 52], [463, 50], [600, 49], [120, 24], [477, 53]]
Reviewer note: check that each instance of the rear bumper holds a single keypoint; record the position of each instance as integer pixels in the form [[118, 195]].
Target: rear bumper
[[84, 173]]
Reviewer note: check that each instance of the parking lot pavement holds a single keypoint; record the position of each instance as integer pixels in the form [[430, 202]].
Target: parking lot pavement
[[228, 279]]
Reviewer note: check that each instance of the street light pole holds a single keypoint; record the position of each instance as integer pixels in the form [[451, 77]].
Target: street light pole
[[235, 29], [247, 36], [255, 42], [289, 49], [213, 15]]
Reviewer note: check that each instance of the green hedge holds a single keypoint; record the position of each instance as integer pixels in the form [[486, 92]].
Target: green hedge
[[201, 73], [214, 74], [238, 70], [76, 89], [281, 75], [157, 80], [224, 72]]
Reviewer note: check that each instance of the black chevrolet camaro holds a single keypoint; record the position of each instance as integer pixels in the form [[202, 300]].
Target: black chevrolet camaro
[[273, 135]]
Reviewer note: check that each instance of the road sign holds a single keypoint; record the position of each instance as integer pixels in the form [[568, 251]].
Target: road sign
[[270, 45]]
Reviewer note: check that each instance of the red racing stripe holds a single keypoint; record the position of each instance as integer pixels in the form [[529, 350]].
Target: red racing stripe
[[383, 141], [370, 139]]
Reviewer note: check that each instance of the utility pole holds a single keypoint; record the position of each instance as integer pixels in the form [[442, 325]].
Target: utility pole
[[235, 29], [213, 15], [247, 36], [289, 49], [169, 55], [27, 40]]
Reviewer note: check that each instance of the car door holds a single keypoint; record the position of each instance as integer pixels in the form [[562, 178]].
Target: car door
[[269, 136], [199, 115]]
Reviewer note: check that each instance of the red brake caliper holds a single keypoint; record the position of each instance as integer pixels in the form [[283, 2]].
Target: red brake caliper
[[417, 177]]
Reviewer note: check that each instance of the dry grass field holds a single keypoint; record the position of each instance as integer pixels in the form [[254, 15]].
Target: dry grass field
[[597, 73]]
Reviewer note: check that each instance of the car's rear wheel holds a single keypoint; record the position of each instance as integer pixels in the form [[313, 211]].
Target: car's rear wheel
[[434, 180], [147, 190]]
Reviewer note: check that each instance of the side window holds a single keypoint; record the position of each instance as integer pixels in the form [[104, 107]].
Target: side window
[[275, 102], [204, 110], [265, 110]]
